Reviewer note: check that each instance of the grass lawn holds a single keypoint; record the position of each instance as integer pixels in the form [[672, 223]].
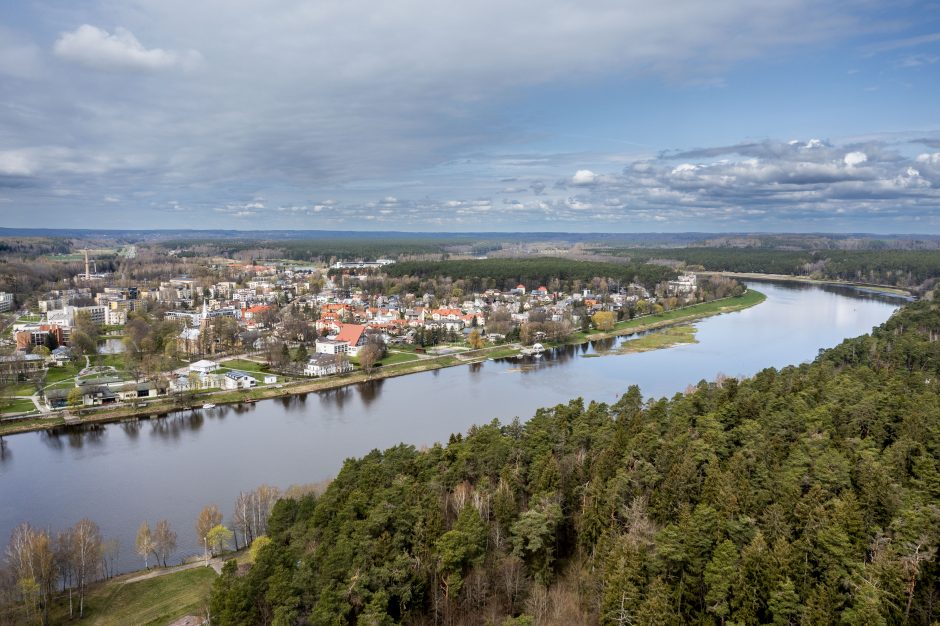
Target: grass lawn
[[159, 600], [398, 357], [245, 366], [58, 374], [19, 405], [114, 360], [22, 389]]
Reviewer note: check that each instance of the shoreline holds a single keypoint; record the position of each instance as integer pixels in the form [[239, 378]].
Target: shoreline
[[159, 409], [791, 278]]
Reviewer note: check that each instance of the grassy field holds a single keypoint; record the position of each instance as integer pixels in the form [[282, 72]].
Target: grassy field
[[156, 601], [19, 405], [397, 357], [245, 366], [57, 374], [666, 338]]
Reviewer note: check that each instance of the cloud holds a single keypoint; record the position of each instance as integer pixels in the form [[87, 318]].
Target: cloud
[[96, 48], [852, 159], [796, 180], [584, 177]]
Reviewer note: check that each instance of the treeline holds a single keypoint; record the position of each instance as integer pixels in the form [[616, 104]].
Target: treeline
[[903, 268], [808, 495], [316, 249], [479, 275]]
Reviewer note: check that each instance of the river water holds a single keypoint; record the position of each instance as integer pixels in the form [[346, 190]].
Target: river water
[[169, 467]]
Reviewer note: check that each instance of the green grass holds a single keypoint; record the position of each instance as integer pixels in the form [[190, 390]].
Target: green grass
[[18, 405], [159, 600], [665, 338], [58, 374], [245, 366], [393, 358], [114, 360], [21, 389], [502, 353], [28, 318]]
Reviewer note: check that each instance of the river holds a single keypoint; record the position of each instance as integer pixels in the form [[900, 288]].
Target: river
[[169, 467]]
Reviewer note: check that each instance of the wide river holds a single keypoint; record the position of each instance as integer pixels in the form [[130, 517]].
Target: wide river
[[169, 467]]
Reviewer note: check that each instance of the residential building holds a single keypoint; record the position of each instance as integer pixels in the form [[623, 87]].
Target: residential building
[[327, 365]]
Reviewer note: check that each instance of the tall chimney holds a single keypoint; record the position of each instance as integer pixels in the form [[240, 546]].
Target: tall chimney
[[87, 274]]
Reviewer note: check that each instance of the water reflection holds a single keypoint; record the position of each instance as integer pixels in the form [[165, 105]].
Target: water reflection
[[369, 390]]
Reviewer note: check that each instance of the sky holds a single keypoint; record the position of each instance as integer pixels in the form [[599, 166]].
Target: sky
[[421, 115]]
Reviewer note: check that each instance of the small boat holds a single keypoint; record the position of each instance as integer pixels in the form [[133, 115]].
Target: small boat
[[208, 405]]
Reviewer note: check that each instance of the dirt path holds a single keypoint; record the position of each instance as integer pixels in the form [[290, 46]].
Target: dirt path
[[215, 563]]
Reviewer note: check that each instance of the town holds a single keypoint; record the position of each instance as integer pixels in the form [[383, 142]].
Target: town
[[98, 338]]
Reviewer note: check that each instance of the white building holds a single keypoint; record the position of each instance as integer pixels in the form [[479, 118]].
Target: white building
[[332, 346], [6, 301], [204, 366], [237, 379], [327, 365]]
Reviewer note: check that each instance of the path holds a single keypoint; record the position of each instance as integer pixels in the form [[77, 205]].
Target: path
[[215, 563]]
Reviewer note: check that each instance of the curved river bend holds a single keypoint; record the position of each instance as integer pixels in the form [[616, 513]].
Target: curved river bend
[[122, 474]]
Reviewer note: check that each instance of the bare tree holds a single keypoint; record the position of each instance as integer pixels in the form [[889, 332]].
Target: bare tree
[[87, 557], [164, 541], [110, 552], [144, 543], [65, 561]]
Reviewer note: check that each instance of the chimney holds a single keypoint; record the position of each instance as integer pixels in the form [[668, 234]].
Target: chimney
[[87, 275]]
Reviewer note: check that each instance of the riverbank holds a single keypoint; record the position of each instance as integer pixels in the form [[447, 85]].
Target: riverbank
[[872, 287], [159, 408]]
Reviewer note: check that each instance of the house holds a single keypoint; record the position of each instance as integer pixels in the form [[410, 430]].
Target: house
[[133, 391], [203, 366], [327, 365], [354, 335], [61, 355], [236, 379], [270, 379]]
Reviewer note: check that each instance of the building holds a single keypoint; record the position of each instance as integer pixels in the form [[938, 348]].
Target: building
[[683, 285], [6, 301], [236, 379], [331, 346], [19, 367], [327, 365], [203, 366], [30, 335], [354, 335]]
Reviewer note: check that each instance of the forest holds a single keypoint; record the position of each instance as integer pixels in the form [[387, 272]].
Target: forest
[[479, 275], [903, 268], [807, 495]]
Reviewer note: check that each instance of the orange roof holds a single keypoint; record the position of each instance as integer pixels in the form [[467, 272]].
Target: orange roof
[[351, 333]]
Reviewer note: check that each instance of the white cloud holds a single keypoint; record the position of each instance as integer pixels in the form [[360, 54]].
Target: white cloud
[[96, 48], [855, 158], [583, 177]]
